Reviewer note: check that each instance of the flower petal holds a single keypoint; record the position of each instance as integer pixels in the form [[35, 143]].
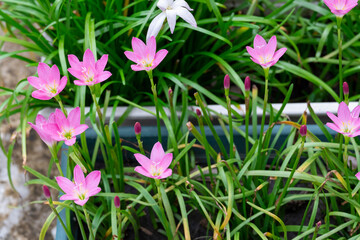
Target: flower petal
[[343, 112], [41, 95], [81, 202], [80, 129], [157, 153], [166, 161], [143, 160], [35, 82], [102, 76], [334, 127], [139, 47], [93, 191], [186, 15], [132, 56], [88, 59], [271, 47], [65, 184], [259, 41], [181, 3], [155, 25], [92, 180], [159, 56], [164, 4], [278, 54], [171, 18], [143, 171], [74, 117], [334, 119], [54, 74], [43, 71], [78, 175], [166, 173], [101, 63], [70, 142], [253, 53], [355, 112], [151, 48], [135, 67], [62, 85], [74, 62], [68, 197], [357, 175]]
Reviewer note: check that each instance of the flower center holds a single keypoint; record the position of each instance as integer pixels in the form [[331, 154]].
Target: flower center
[[80, 191], [347, 127], [68, 134], [156, 171], [87, 74]]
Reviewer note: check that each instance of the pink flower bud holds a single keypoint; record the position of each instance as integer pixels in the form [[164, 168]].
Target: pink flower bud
[[46, 191], [117, 201], [303, 130], [137, 128], [226, 81], [247, 83], [346, 88], [170, 92], [198, 112], [318, 224]]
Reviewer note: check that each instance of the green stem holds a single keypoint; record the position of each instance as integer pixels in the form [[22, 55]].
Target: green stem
[[230, 127], [68, 233], [158, 182], [140, 143], [338, 19], [98, 110], [119, 220], [92, 236], [247, 116], [266, 73], [153, 89], [58, 99], [80, 222], [287, 184], [56, 159]]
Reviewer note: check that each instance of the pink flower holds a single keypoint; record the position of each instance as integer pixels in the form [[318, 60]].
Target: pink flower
[[264, 53], [157, 166], [88, 72], [358, 175], [145, 56], [66, 129], [40, 128], [48, 83], [340, 7], [346, 123], [82, 188]]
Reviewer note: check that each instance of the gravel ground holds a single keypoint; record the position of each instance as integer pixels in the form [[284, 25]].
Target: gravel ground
[[19, 218]]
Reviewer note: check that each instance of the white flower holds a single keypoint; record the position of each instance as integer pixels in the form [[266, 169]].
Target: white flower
[[170, 9]]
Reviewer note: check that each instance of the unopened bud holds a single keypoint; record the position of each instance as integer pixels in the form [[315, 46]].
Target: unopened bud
[[318, 224], [189, 125], [254, 91], [226, 81], [137, 128], [345, 88], [303, 130], [170, 92], [46, 191], [117, 201], [247, 83], [198, 112]]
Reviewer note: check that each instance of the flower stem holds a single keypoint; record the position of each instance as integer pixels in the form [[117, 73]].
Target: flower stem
[[338, 20], [58, 99], [266, 73], [80, 222], [288, 182], [228, 101], [68, 233], [92, 237], [56, 159], [153, 89], [158, 182], [98, 110], [247, 116]]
